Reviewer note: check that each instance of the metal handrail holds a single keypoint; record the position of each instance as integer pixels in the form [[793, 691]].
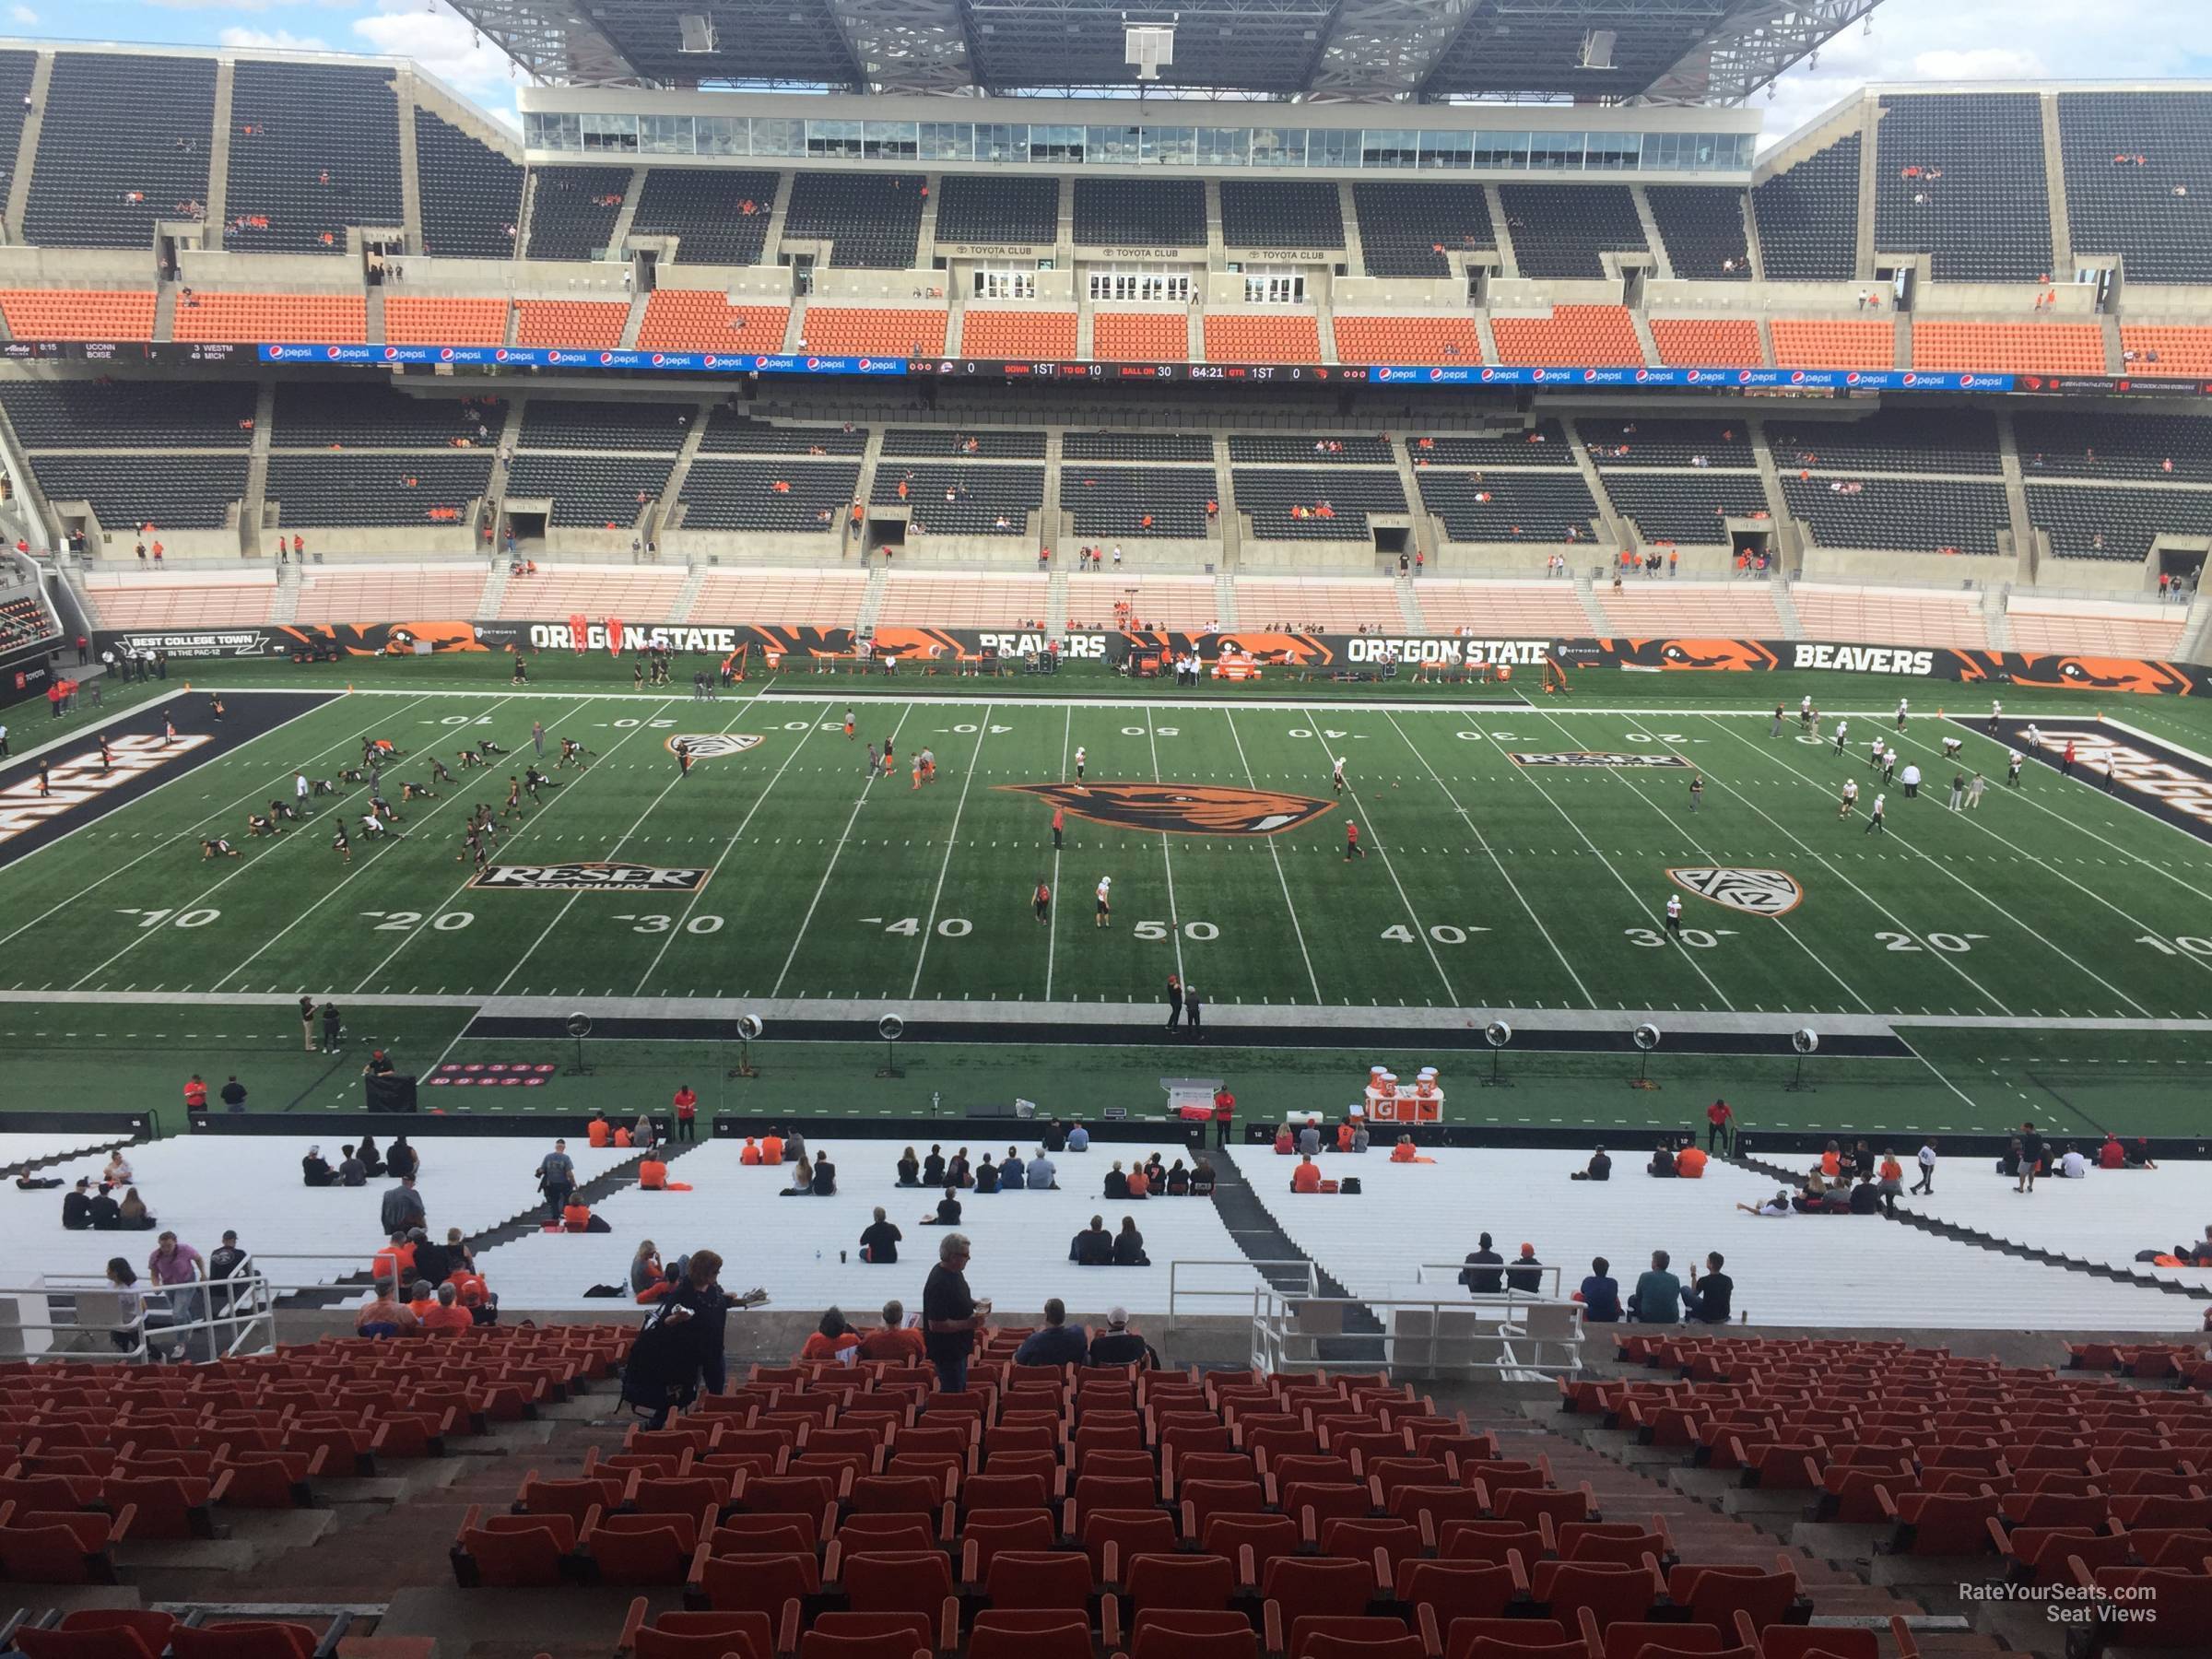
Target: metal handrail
[[1521, 1353], [243, 1324], [1422, 1271], [1244, 1293]]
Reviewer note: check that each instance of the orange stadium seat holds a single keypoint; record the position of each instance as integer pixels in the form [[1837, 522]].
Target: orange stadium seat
[[801, 597], [1724, 610], [340, 318], [1548, 609], [944, 599], [1804, 344], [1312, 602], [1708, 341], [2181, 350], [346, 596], [1896, 617], [1140, 336], [1019, 334], [1573, 333], [704, 320], [593, 591], [2014, 347], [1407, 340], [128, 600], [411, 319], [838, 329], [596, 322], [1262, 337], [1191, 602], [2105, 631], [79, 313]]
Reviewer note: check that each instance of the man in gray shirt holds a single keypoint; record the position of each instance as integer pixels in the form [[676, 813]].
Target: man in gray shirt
[[1041, 1172], [352, 1172], [403, 1206], [1658, 1294], [794, 1148], [557, 1179], [1309, 1141]]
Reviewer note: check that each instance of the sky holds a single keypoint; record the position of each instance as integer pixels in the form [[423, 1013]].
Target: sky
[[1909, 40]]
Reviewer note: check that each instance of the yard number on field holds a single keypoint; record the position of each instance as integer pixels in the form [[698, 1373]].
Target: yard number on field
[[1443, 933], [405, 920], [175, 918], [658, 922]]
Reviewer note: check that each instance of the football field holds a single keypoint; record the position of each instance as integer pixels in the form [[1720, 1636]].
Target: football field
[[1513, 862]]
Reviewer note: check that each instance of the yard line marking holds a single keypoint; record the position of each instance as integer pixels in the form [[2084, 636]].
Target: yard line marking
[[1167, 858], [808, 921], [1483, 842], [1936, 864], [331, 893], [982, 733], [1411, 914], [161, 842], [1697, 846], [1275, 853], [1051, 923], [417, 931]]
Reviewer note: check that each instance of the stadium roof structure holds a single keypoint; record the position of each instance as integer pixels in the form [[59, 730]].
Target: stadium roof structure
[[1433, 51]]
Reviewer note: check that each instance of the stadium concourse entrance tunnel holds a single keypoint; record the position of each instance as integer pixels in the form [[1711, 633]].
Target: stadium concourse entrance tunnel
[[1747, 541]]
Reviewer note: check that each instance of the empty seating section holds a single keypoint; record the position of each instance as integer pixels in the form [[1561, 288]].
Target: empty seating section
[[397, 596], [97, 415], [1573, 333], [123, 144], [1262, 337], [1889, 616], [1808, 217], [1645, 442], [1565, 229], [2086, 521], [2088, 626], [998, 212], [944, 599], [2135, 165], [1335, 606], [953, 498], [16, 72], [839, 330], [595, 591], [1136, 502], [1138, 446], [871, 222], [719, 216], [173, 492], [732, 434], [2010, 348], [704, 320], [1140, 213], [472, 194], [1191, 602], [370, 414], [1689, 509], [590, 491], [1407, 340], [2077, 444], [583, 322], [794, 598], [413, 320], [1280, 214], [129, 600], [1539, 610], [314, 149], [1717, 610], [1306, 504], [1140, 336], [564, 424], [2156, 350], [1508, 507], [1707, 342], [1542, 443], [1908, 440], [1908, 514], [911, 442], [379, 490], [573, 211], [1408, 230], [743, 495], [1017, 334], [1703, 226], [1960, 179], [79, 313], [1846, 343], [337, 318]]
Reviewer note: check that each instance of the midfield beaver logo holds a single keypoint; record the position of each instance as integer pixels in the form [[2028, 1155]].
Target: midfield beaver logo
[[1729, 656], [2098, 673], [1180, 809]]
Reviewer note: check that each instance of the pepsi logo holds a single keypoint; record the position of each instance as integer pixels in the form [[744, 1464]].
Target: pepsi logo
[[814, 362], [1489, 374], [445, 354], [866, 363], [1743, 377], [1912, 380], [1644, 374], [1851, 379], [390, 353], [499, 355], [333, 352], [1798, 378], [1697, 376], [760, 362], [274, 352], [1537, 375], [658, 360], [605, 358], [708, 361], [1589, 374]]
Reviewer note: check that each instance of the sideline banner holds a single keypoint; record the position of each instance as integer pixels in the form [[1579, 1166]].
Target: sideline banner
[[23, 672]]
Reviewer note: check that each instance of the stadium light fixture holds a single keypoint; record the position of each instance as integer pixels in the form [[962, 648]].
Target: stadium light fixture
[[695, 33], [1147, 48], [1597, 48]]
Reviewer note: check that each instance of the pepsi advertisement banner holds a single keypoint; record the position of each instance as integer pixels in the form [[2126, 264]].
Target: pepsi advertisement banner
[[575, 356]]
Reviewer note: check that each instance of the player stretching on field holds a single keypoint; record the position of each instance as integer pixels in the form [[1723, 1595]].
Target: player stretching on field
[[340, 844], [1041, 904], [217, 847], [570, 749]]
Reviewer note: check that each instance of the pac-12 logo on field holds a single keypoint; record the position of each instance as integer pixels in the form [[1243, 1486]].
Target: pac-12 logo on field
[[713, 746], [1755, 892], [1180, 809]]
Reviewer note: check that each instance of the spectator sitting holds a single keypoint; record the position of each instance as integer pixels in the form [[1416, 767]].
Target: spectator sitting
[[1405, 1152], [77, 1205], [1777, 1205], [118, 1172], [958, 1169], [1117, 1182], [652, 1175], [1832, 1162], [751, 1153], [986, 1177], [910, 1169], [1360, 1137], [402, 1160], [772, 1148], [1344, 1136], [419, 1298], [1118, 1345], [1093, 1247], [1129, 1246], [131, 1213], [446, 1314], [576, 1216], [2198, 1255], [1689, 1164], [1662, 1164], [1865, 1197], [600, 1132], [1526, 1274], [1711, 1299], [932, 1167], [1013, 1175], [1179, 1181], [879, 1242], [103, 1213], [1814, 1197], [893, 1342], [802, 1180], [1309, 1141], [315, 1171], [832, 1340], [949, 1211], [1054, 1139], [1041, 1176], [1156, 1175], [1286, 1142], [1202, 1178], [2072, 1166], [648, 1280], [371, 1159], [383, 1315], [1140, 1183], [824, 1177], [352, 1172], [1306, 1178], [1484, 1273], [1600, 1294], [1055, 1342], [1657, 1299], [2112, 1155], [2138, 1155], [1600, 1168], [1078, 1138]]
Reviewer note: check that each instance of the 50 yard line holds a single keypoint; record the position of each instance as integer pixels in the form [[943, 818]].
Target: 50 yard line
[[823, 885], [952, 839], [1168, 859], [1052, 919]]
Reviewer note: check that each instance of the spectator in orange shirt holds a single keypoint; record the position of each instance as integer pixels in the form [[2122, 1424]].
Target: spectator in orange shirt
[[1689, 1164], [892, 1342], [751, 1153], [771, 1147], [652, 1175], [832, 1340], [597, 1130], [575, 1215], [394, 1262], [1832, 1162], [1140, 1183], [446, 1314], [1306, 1178], [383, 1315]]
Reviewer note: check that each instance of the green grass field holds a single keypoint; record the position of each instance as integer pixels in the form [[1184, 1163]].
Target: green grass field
[[1489, 887]]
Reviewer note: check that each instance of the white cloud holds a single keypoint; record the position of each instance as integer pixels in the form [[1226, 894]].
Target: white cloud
[[271, 39], [23, 15], [441, 42]]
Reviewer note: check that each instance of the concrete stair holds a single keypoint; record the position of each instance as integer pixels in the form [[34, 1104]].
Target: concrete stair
[[871, 601], [1785, 606], [685, 600], [26, 147]]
